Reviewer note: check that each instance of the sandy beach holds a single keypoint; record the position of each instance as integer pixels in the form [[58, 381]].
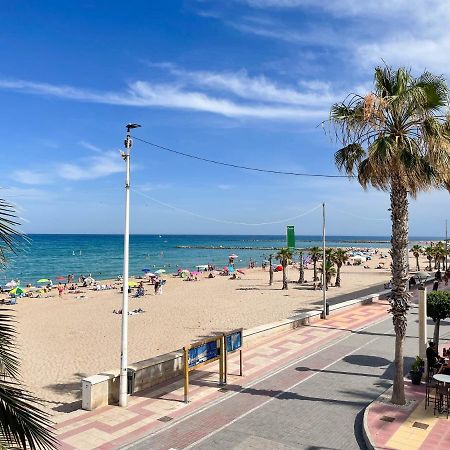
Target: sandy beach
[[65, 339]]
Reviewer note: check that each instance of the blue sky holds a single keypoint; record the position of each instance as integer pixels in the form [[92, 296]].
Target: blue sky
[[244, 81]]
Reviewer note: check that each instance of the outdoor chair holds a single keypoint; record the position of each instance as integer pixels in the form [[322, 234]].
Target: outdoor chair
[[430, 390], [441, 399]]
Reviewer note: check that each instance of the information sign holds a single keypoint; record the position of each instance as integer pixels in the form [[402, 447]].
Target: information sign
[[234, 341], [203, 353]]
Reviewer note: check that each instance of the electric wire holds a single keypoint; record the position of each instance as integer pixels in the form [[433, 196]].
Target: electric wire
[[224, 221], [238, 166]]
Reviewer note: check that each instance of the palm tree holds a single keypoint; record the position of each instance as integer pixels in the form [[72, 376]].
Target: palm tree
[[316, 254], [301, 270], [416, 251], [22, 423], [429, 252], [439, 254], [329, 254], [285, 256], [396, 139], [340, 257], [330, 272]]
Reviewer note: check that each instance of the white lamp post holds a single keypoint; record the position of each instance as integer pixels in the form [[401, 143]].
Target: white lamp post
[[123, 388], [422, 276], [324, 274]]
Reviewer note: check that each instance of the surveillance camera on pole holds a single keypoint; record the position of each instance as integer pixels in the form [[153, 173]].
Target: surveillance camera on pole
[[123, 388]]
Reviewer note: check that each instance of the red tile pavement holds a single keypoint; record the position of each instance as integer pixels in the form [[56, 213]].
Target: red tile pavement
[[110, 426]]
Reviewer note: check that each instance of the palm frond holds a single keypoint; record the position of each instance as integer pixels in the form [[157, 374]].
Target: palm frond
[[348, 158], [9, 363], [21, 420]]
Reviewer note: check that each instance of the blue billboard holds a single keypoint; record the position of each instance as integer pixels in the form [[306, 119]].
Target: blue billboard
[[234, 341], [202, 353]]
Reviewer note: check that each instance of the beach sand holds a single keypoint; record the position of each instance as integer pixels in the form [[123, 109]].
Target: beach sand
[[65, 339]]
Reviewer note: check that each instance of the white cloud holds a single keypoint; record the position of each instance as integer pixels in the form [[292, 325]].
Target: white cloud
[[90, 146], [144, 94], [94, 167], [411, 33], [260, 88], [148, 187], [31, 177], [225, 187]]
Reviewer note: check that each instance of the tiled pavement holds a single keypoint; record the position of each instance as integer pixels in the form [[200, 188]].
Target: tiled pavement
[[407, 428], [149, 411]]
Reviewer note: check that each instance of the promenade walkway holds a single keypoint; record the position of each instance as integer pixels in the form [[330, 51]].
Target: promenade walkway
[[156, 410], [306, 388]]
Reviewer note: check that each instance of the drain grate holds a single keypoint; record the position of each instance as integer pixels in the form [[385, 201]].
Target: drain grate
[[165, 419], [420, 425], [387, 418]]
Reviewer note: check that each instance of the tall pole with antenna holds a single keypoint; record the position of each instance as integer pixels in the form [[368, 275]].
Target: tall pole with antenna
[[324, 278], [123, 387]]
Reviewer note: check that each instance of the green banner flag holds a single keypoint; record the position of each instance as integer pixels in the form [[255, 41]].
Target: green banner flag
[[290, 233]]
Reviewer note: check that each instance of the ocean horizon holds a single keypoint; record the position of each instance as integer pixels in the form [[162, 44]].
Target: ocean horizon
[[56, 255]]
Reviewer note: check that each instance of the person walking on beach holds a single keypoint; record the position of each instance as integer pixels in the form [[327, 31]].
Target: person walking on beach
[[60, 290]]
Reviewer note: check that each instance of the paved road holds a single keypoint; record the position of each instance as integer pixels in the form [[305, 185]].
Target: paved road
[[314, 403]]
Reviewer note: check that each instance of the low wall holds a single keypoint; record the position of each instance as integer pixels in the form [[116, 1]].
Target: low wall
[[103, 389]]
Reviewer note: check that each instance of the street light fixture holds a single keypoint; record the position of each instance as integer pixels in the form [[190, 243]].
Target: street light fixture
[[422, 277], [123, 388]]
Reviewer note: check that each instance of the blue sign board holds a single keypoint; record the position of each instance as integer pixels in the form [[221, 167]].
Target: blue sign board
[[234, 341], [202, 353]]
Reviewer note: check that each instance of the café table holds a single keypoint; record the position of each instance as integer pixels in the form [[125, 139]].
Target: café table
[[442, 378]]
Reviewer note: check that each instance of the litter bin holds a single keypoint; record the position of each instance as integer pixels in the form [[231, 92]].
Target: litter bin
[[131, 376]]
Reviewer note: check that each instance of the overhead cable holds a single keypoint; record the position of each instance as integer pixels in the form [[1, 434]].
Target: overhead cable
[[228, 222], [238, 166]]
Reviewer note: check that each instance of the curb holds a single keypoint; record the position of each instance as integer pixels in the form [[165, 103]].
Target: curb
[[365, 428]]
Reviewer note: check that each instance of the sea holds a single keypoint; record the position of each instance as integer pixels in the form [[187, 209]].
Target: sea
[[57, 255]]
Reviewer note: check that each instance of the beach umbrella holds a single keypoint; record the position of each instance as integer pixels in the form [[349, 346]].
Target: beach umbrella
[[11, 284], [17, 291], [146, 270], [279, 267], [43, 280], [150, 274], [132, 283], [233, 256], [240, 271], [61, 278], [196, 273], [160, 271]]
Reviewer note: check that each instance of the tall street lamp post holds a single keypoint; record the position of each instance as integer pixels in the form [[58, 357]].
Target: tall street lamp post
[[123, 388]]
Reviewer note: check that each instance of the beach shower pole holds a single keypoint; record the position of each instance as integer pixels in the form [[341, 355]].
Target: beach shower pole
[[123, 388], [324, 275]]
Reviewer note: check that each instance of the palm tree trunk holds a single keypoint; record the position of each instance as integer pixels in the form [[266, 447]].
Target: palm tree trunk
[[315, 270], [270, 271], [285, 284], [436, 334], [301, 275], [338, 276], [417, 264], [399, 299]]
